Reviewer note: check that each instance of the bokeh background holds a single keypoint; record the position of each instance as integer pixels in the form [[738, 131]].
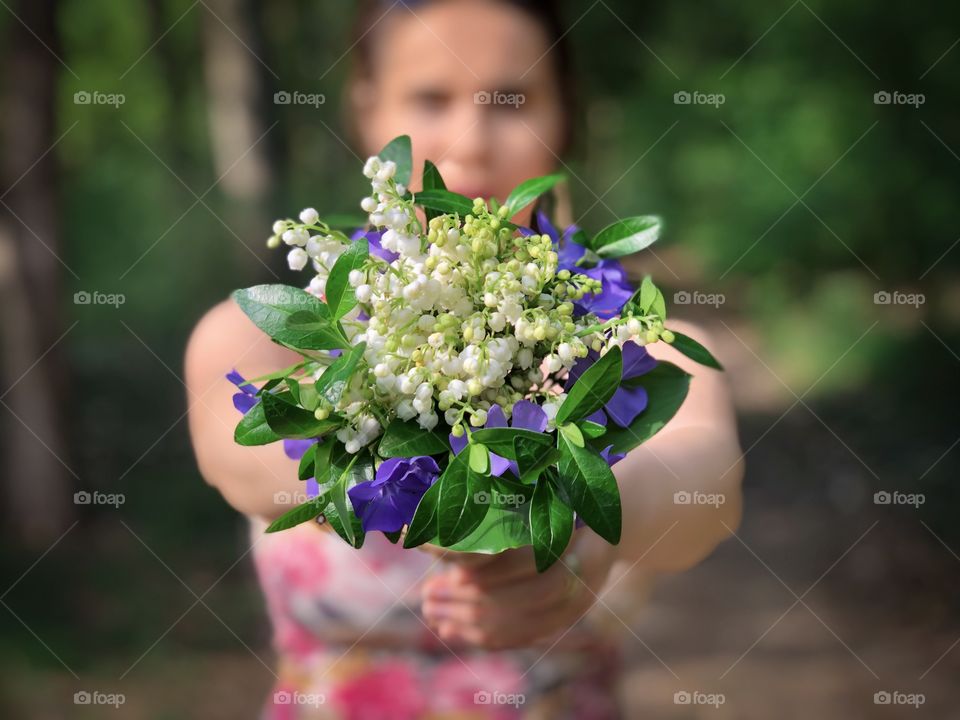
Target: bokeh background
[[144, 156]]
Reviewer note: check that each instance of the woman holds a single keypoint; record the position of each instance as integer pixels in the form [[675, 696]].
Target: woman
[[482, 87]]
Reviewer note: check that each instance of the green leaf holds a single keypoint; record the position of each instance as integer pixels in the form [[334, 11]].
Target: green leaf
[[335, 379], [627, 236], [505, 525], [458, 511], [444, 201], [341, 297], [290, 421], [647, 295], [316, 331], [667, 387], [591, 488], [479, 458], [551, 524], [533, 458], [399, 151], [694, 350], [351, 530], [591, 429], [432, 181], [289, 315], [253, 429], [309, 510], [529, 190], [593, 389], [307, 468], [423, 526], [501, 440], [573, 434], [408, 439]]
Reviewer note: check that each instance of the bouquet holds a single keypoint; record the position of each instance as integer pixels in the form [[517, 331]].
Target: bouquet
[[463, 381]]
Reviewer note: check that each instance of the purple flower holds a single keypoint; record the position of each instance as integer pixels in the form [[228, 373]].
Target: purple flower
[[373, 238], [627, 402], [294, 449], [526, 415], [613, 278], [389, 501]]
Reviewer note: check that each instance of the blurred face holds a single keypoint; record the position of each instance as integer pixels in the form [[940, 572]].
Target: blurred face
[[472, 83]]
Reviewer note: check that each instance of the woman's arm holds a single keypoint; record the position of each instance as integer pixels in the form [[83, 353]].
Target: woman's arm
[[697, 454], [247, 477]]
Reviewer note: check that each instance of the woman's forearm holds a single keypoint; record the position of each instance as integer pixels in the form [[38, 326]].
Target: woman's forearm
[[681, 497]]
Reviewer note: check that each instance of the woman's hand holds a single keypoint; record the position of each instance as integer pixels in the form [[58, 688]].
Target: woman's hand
[[501, 601]]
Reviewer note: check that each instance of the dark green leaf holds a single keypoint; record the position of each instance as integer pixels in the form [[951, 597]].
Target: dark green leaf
[[529, 190], [308, 468], [444, 201], [423, 526], [290, 421], [336, 378], [316, 331], [432, 181], [591, 488], [667, 387], [253, 429], [506, 524], [309, 510], [694, 350], [533, 457], [500, 440], [551, 524], [355, 535], [341, 297], [399, 151], [458, 510], [408, 439], [627, 236], [593, 388]]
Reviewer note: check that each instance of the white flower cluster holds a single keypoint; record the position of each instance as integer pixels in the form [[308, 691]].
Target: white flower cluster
[[470, 313]]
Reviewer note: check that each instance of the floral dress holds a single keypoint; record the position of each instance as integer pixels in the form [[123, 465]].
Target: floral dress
[[352, 644]]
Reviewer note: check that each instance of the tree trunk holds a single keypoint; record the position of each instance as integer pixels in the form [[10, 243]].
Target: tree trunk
[[35, 484]]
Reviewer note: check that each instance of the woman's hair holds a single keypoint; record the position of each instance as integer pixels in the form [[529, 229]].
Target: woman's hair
[[545, 12]]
